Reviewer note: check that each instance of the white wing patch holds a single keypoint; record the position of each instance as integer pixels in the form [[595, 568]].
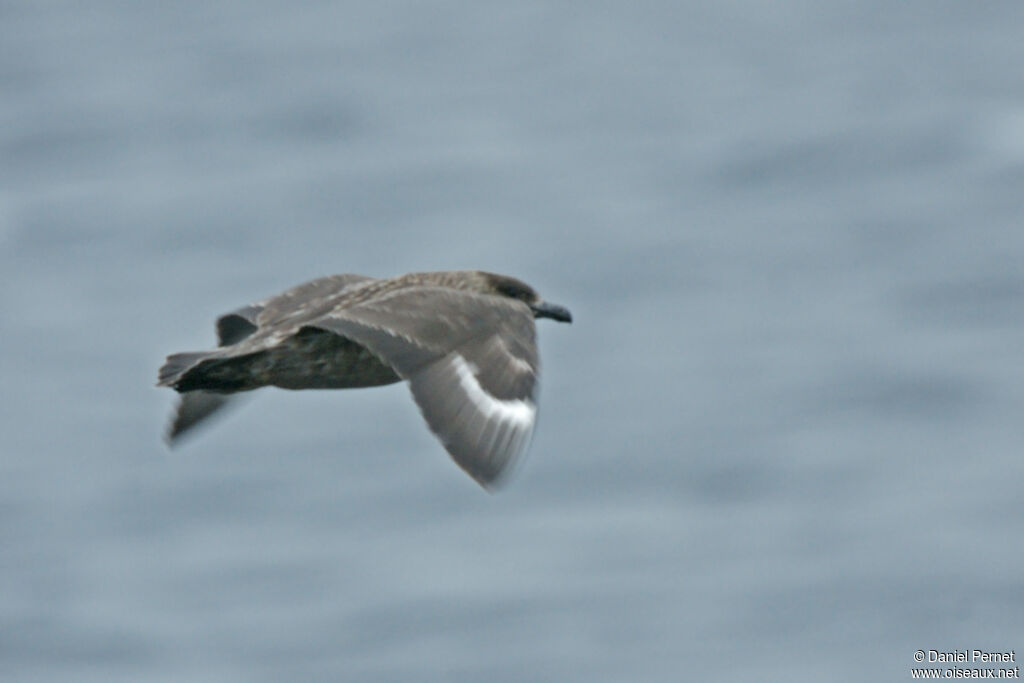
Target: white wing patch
[[520, 413], [506, 426], [483, 433]]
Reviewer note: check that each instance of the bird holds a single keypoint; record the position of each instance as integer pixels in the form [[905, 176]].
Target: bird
[[464, 340]]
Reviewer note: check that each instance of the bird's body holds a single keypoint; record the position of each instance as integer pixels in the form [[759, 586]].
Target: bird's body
[[465, 341]]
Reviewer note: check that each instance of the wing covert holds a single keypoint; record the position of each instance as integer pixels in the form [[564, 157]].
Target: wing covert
[[302, 302]]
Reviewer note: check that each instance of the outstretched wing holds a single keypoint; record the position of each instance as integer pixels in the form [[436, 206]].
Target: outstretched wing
[[192, 408], [303, 302], [471, 362]]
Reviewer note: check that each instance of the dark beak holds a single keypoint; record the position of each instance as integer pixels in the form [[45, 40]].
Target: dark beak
[[542, 309]]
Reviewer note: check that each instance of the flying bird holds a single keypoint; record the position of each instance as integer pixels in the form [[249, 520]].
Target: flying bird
[[464, 341]]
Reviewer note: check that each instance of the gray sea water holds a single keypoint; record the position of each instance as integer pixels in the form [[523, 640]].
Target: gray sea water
[[781, 441]]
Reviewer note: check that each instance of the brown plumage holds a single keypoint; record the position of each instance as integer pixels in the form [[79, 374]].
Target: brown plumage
[[464, 340]]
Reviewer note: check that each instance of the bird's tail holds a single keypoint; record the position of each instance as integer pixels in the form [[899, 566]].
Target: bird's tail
[[178, 364]]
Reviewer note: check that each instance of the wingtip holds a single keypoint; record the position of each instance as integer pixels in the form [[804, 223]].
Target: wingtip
[[171, 432], [490, 484], [491, 479], [193, 408]]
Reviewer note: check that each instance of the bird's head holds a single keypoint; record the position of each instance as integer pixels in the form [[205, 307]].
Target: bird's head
[[511, 288]]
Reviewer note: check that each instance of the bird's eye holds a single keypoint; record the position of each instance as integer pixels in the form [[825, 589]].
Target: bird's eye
[[515, 290], [511, 291]]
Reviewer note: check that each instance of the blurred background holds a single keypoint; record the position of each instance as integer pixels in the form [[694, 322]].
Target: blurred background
[[782, 439]]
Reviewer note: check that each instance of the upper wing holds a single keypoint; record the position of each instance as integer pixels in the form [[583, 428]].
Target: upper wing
[[471, 362], [308, 300]]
